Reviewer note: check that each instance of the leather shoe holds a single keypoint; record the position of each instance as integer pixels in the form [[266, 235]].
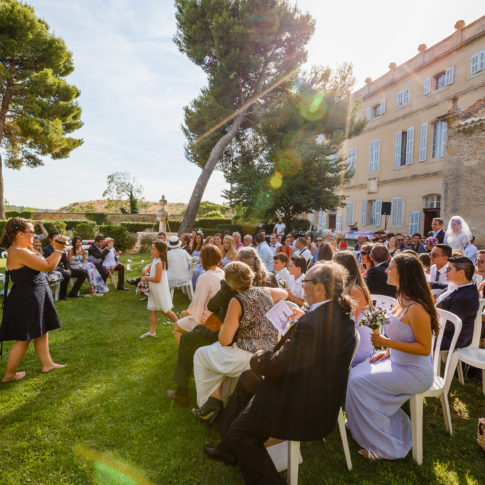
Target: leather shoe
[[217, 452], [132, 281], [121, 289], [173, 396]]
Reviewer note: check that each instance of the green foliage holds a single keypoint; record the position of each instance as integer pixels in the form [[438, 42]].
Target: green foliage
[[173, 226], [229, 227], [50, 226], [39, 108], [2, 227], [118, 233], [72, 223], [212, 222], [287, 164], [120, 185], [206, 207], [137, 226], [146, 244], [86, 230], [299, 225], [98, 217], [24, 214], [213, 215], [131, 240]]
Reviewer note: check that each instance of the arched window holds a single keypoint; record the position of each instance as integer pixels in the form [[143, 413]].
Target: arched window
[[432, 201]]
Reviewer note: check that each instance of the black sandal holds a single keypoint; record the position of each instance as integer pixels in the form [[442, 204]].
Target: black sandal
[[209, 411]]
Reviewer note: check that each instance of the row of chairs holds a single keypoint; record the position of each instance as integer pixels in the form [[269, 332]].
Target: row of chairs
[[471, 355]]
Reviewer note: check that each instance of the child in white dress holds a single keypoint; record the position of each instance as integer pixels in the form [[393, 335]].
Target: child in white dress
[[159, 297], [109, 262]]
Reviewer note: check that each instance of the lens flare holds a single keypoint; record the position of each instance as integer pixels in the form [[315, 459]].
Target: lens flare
[[287, 162], [313, 107], [276, 181]]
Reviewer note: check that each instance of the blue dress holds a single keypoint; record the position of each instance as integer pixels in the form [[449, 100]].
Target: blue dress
[[376, 392]]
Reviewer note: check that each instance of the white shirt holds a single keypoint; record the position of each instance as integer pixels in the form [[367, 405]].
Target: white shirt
[[275, 246], [471, 252], [451, 289], [178, 266], [283, 274], [316, 305], [305, 252], [442, 274], [296, 287], [280, 228]]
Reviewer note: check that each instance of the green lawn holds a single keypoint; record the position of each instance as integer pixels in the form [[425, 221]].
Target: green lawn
[[105, 418]]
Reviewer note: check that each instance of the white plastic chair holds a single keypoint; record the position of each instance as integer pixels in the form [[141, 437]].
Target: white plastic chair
[[386, 303], [439, 388], [294, 446]]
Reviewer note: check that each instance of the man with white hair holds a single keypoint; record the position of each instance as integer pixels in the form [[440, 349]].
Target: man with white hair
[[248, 240], [178, 262]]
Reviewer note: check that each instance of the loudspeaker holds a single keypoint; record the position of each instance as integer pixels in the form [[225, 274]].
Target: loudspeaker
[[386, 209]]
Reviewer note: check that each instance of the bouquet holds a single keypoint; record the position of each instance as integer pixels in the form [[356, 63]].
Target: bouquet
[[431, 241], [374, 318], [282, 283]]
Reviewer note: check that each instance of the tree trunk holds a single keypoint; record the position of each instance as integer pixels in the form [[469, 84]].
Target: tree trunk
[[7, 97], [215, 155], [2, 197]]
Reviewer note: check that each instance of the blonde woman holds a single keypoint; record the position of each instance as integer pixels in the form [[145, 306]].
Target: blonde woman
[[228, 250]]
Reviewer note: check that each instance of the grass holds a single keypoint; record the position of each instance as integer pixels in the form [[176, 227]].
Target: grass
[[104, 419]]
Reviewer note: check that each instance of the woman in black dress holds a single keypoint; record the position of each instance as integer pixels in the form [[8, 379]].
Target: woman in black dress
[[29, 311]]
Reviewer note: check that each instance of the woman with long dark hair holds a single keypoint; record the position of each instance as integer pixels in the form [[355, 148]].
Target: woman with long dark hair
[[29, 312], [325, 252], [377, 388]]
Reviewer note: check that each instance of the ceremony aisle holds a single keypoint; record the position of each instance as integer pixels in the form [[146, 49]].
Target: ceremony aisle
[[105, 417]]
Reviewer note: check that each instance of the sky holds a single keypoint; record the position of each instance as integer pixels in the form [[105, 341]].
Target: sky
[[135, 83]]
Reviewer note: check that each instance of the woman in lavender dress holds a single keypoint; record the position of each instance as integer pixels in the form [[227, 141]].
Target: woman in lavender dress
[[378, 387]]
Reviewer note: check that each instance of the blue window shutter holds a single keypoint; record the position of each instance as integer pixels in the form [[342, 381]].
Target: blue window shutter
[[410, 146], [397, 153], [364, 213]]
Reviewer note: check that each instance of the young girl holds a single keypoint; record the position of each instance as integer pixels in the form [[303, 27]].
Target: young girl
[[109, 262], [159, 297]]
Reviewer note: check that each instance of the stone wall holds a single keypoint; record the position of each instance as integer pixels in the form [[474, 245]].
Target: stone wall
[[117, 218], [463, 181], [112, 218]]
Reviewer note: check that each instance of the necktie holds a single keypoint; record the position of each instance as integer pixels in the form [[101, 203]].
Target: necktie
[[437, 277]]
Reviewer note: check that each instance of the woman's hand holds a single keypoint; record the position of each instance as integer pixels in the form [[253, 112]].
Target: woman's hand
[[297, 313], [380, 356], [379, 340], [144, 278]]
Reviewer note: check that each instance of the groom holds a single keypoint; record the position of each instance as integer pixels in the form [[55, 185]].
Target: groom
[[295, 391]]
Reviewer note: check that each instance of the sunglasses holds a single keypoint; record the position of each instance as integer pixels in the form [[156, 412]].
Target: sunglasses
[[363, 253], [307, 281], [480, 261]]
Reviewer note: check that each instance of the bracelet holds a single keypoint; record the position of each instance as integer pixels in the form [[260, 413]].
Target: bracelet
[[59, 251]]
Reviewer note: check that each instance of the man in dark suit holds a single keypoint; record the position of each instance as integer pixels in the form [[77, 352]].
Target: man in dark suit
[[437, 231], [67, 271], [417, 246], [293, 392], [96, 254], [376, 277], [461, 299]]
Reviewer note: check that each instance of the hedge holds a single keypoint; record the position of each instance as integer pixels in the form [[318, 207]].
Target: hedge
[[86, 230], [24, 214], [122, 237], [98, 217], [71, 224], [212, 222], [173, 226], [229, 227], [51, 226], [138, 226]]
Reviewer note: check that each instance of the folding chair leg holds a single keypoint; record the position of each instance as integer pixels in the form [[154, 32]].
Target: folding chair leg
[[343, 436], [461, 377], [416, 406], [172, 290], [446, 412], [483, 381], [293, 455], [57, 290]]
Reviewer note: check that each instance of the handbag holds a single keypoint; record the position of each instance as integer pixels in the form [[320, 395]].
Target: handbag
[[213, 323], [481, 433]]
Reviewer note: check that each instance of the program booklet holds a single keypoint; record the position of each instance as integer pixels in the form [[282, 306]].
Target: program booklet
[[279, 316]]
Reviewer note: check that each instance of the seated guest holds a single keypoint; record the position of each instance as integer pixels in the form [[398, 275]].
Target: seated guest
[[66, 270], [356, 288], [376, 277], [461, 298], [377, 388], [392, 246], [185, 243], [365, 258], [294, 391], [248, 240], [361, 240], [162, 236], [439, 259], [318, 243], [302, 250], [178, 261], [417, 246], [218, 241], [286, 248], [341, 244], [296, 268], [237, 240], [325, 252], [245, 330], [264, 251], [479, 275], [208, 285], [37, 245], [273, 243], [407, 242], [471, 250], [262, 277], [280, 263], [228, 250], [425, 260], [96, 254], [77, 259], [309, 243]]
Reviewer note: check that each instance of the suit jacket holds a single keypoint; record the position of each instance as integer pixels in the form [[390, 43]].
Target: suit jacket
[[97, 253], [463, 302], [376, 279], [440, 237], [419, 248], [63, 263], [305, 377]]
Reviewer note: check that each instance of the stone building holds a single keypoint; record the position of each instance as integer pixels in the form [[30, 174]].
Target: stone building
[[399, 158], [464, 167]]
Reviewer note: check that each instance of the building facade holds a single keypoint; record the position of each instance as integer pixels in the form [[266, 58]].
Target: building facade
[[398, 160]]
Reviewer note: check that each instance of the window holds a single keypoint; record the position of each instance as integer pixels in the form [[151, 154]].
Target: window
[[444, 78], [403, 154], [349, 213], [352, 159], [414, 222], [322, 220], [478, 62], [374, 156], [379, 109], [364, 213], [397, 209], [367, 113], [439, 139], [423, 142], [403, 97], [427, 86], [375, 212], [338, 225], [432, 201]]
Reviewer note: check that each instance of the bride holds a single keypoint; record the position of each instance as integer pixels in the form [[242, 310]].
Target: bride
[[458, 234]]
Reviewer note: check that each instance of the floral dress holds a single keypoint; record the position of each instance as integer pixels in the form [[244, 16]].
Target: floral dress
[[94, 277]]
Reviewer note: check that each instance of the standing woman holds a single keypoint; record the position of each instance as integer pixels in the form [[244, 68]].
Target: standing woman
[[29, 312], [286, 248]]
